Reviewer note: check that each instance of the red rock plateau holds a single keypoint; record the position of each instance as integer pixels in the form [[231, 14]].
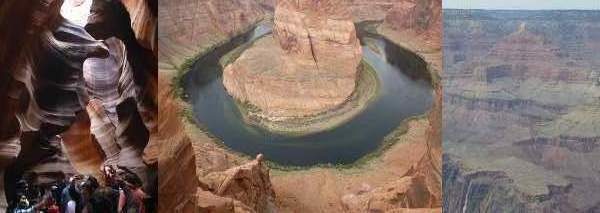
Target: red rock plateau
[[61, 112], [312, 69], [406, 177]]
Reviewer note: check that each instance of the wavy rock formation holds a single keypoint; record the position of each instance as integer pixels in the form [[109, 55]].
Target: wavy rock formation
[[46, 88], [143, 15], [318, 68]]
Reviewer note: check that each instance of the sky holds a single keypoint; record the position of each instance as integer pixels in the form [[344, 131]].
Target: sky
[[523, 4]]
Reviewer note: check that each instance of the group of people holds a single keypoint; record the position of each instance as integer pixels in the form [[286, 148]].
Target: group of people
[[120, 192]]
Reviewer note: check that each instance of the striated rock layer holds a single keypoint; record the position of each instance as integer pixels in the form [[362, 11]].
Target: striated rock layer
[[419, 22], [318, 68], [190, 26], [521, 111], [47, 88]]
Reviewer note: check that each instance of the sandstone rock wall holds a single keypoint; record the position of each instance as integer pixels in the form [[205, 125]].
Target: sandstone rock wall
[[370, 10], [201, 177], [421, 19], [144, 21], [188, 26], [44, 88]]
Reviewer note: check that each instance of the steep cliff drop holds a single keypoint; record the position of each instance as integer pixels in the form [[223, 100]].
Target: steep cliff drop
[[195, 174]]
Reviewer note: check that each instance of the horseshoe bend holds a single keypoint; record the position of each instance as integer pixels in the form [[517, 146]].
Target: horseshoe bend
[[308, 105], [306, 70]]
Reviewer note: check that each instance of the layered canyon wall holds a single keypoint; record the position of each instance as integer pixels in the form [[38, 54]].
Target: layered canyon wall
[[520, 102], [188, 27]]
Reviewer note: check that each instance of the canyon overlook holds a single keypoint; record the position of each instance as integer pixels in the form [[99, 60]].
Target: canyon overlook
[[521, 111], [212, 50]]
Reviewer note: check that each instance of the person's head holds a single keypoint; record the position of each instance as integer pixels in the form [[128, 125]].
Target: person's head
[[104, 199], [23, 202], [108, 170], [87, 185], [22, 185]]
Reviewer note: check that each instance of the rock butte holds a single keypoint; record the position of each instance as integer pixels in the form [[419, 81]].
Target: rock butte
[[316, 71]]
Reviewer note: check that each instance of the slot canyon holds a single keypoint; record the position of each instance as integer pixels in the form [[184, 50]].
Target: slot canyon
[[78, 90]]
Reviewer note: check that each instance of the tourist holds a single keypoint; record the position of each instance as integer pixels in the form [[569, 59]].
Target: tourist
[[70, 196], [131, 195]]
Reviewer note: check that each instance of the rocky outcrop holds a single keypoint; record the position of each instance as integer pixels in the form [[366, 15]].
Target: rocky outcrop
[[401, 195], [249, 183], [202, 177], [318, 68]]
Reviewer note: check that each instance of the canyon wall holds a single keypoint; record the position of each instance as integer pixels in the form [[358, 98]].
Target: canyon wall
[[520, 102], [188, 27], [197, 176]]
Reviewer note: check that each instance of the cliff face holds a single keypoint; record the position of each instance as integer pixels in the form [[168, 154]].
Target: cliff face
[[46, 90], [520, 97], [318, 67], [196, 175], [419, 20], [366, 10], [188, 27]]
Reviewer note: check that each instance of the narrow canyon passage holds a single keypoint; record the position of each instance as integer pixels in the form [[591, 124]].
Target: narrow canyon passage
[[81, 88]]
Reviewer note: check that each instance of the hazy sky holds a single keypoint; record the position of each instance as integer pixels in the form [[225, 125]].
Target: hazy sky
[[523, 4]]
